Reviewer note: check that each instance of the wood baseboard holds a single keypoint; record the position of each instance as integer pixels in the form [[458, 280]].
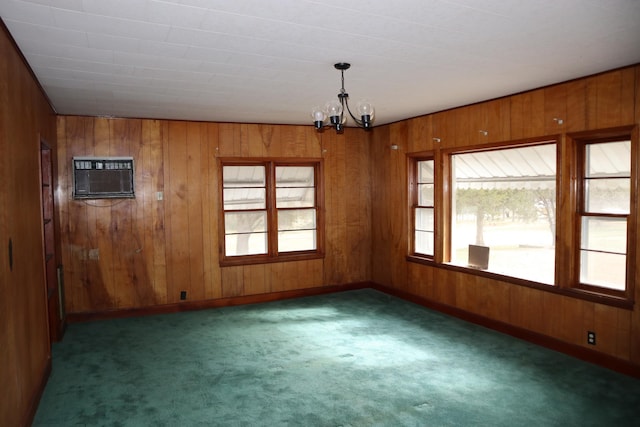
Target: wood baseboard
[[619, 365], [214, 303], [587, 355]]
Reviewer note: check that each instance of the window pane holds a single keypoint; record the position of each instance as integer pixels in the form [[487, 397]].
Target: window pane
[[295, 197], [424, 242], [608, 159], [425, 194], [604, 234], [244, 198], [424, 219], [297, 219], [609, 195], [603, 269], [245, 244], [425, 171], [302, 240], [245, 222], [294, 176], [506, 199], [243, 176]]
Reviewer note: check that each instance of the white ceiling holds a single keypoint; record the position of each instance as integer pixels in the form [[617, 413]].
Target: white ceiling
[[262, 61]]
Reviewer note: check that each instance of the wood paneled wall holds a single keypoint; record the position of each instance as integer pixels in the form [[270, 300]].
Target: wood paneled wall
[[603, 101], [25, 118], [142, 252]]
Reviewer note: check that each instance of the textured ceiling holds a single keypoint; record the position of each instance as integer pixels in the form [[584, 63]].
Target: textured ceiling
[[272, 61]]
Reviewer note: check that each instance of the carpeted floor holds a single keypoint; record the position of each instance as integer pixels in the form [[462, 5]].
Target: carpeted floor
[[359, 358]]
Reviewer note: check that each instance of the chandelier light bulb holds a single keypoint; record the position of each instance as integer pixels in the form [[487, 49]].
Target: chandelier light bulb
[[318, 116], [333, 108], [365, 108]]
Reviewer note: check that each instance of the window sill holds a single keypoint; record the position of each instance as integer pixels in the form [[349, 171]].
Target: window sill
[[578, 293], [263, 259]]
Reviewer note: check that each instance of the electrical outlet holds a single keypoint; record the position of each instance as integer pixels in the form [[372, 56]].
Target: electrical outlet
[[591, 338], [183, 295]]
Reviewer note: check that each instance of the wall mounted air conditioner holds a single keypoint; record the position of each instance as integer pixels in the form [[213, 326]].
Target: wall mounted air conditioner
[[103, 177]]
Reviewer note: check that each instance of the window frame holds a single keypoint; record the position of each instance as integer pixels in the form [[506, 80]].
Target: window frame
[[447, 210], [580, 143], [272, 255], [413, 197], [567, 252]]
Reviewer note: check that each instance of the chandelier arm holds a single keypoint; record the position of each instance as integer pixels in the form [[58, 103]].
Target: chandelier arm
[[358, 122]]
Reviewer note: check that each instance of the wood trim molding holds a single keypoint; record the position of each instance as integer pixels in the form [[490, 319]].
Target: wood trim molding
[[622, 366], [619, 365], [215, 303]]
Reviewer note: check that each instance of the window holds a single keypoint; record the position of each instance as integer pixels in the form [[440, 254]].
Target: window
[[503, 202], [271, 211], [423, 207], [604, 208]]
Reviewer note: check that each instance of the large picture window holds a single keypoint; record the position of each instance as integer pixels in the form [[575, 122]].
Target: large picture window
[[504, 202], [604, 210], [271, 211]]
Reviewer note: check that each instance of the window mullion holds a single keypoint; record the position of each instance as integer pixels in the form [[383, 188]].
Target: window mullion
[[272, 211]]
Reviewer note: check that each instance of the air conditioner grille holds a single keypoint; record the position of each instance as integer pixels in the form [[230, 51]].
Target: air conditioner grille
[[100, 178]]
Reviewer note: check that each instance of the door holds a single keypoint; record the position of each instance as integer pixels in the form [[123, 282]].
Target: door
[[55, 300]]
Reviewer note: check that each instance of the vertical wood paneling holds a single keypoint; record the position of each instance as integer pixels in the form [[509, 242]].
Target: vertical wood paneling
[[576, 93], [153, 135], [607, 100], [254, 278], [498, 122], [210, 206], [177, 212], [97, 253], [25, 119], [612, 100], [335, 216], [121, 134], [525, 305], [232, 281], [144, 252], [419, 137], [229, 140], [555, 109], [357, 207], [444, 128], [196, 142], [527, 114], [396, 198]]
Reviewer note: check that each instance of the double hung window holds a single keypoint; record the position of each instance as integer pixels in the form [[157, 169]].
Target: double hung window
[[423, 207], [271, 211], [604, 208]]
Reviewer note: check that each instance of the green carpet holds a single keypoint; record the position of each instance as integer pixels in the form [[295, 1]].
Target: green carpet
[[359, 358]]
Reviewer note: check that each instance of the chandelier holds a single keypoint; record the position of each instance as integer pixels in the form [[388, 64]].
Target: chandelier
[[335, 109]]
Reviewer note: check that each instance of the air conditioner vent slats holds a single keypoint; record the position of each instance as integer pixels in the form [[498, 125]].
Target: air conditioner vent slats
[[103, 177]]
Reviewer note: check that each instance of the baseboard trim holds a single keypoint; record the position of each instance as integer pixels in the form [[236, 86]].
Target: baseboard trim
[[214, 303], [37, 395], [615, 364], [587, 355]]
